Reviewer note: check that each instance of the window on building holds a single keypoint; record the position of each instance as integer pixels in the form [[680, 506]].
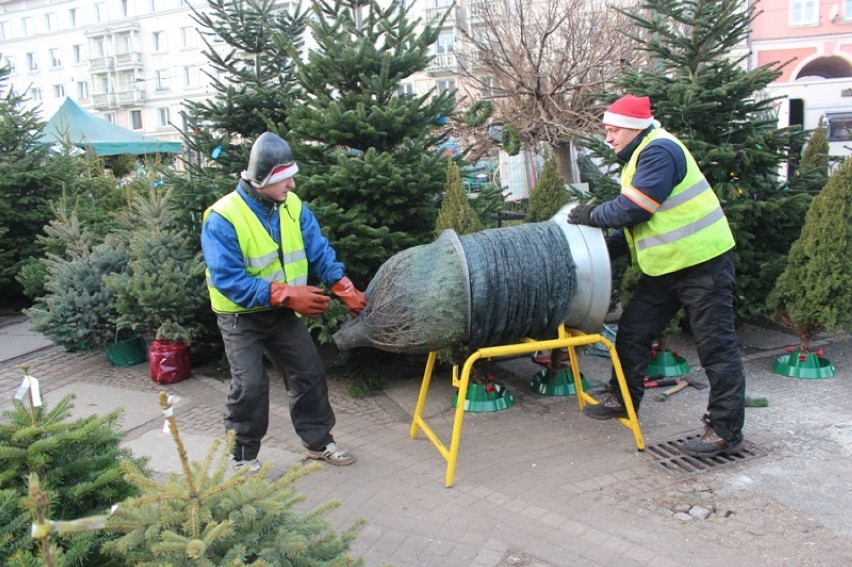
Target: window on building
[[190, 76], [804, 12], [27, 26], [72, 17], [127, 44], [77, 53], [82, 90], [446, 85], [9, 63], [50, 22], [847, 10], [55, 58], [32, 61], [136, 119], [35, 94], [839, 126], [123, 8], [161, 80], [445, 43], [110, 117], [405, 89], [105, 85], [163, 116], [58, 91], [100, 12], [188, 37], [486, 86], [442, 3], [4, 31], [158, 41]]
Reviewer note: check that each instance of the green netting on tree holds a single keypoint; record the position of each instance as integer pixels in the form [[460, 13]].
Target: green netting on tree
[[488, 288], [418, 301]]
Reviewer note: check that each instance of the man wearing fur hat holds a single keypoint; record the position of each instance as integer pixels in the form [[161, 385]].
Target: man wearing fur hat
[[669, 218]]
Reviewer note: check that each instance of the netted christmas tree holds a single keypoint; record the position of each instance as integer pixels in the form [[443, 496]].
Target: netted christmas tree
[[77, 461], [815, 291], [207, 517]]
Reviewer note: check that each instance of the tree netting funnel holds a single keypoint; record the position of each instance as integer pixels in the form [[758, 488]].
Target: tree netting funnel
[[488, 288]]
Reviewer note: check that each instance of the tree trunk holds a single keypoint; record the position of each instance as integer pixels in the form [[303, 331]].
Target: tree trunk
[[562, 153]]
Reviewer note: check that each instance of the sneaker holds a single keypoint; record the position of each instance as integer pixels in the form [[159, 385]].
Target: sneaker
[[709, 445], [332, 454], [608, 408], [252, 466]]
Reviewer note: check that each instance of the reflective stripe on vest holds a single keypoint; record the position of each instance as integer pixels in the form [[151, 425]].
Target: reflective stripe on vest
[[261, 254], [688, 228]]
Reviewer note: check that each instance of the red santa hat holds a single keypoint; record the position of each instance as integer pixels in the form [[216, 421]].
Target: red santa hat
[[629, 111]]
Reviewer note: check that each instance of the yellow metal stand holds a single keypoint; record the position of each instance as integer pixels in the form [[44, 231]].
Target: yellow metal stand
[[568, 339]]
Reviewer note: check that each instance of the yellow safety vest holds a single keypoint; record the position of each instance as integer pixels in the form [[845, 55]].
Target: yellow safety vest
[[688, 228], [260, 252]]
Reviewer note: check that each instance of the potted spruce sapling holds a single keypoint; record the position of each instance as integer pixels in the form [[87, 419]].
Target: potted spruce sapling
[[814, 293], [161, 292]]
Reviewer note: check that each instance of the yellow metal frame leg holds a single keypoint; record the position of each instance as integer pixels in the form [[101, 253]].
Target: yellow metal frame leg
[[569, 340]]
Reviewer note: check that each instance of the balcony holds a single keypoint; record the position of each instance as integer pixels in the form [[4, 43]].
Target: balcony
[[443, 64], [100, 65], [432, 16], [103, 101], [128, 61], [132, 97]]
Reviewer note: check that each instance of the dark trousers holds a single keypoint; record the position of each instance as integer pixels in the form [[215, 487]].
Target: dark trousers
[[286, 340], [706, 293]]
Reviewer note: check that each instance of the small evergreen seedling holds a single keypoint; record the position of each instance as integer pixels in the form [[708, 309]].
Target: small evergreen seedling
[[548, 195]]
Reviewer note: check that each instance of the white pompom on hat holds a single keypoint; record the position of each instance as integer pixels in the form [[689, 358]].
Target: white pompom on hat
[[629, 111]]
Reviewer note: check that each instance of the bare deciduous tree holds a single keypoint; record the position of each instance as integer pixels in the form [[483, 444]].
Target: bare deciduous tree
[[541, 62]]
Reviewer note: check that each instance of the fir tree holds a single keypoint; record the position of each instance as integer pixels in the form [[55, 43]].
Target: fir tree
[[78, 462], [247, 46], [548, 195], [76, 310], [701, 92], [163, 283], [29, 180], [812, 172], [815, 291], [456, 212], [205, 517], [371, 169]]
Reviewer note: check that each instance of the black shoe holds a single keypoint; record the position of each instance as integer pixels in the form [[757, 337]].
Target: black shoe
[[709, 445], [608, 408]]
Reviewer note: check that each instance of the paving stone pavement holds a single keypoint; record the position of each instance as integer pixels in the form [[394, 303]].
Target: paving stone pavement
[[537, 485]]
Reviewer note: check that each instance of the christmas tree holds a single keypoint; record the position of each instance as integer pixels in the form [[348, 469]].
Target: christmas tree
[[815, 291], [206, 517], [812, 172], [371, 166], [456, 213], [77, 462], [548, 195], [248, 46]]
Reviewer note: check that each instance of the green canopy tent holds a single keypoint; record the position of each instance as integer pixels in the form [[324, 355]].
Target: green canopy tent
[[73, 125]]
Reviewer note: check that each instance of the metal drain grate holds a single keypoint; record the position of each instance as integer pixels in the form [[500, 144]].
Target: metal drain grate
[[667, 455]]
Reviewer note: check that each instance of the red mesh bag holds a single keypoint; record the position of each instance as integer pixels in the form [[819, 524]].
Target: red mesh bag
[[169, 362]]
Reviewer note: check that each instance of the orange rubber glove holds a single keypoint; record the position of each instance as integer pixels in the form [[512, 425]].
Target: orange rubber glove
[[349, 294], [306, 300]]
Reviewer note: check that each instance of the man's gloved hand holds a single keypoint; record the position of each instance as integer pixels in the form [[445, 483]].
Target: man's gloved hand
[[349, 294], [306, 300], [582, 214]]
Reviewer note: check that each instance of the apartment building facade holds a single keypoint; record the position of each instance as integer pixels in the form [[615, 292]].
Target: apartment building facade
[[816, 37]]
